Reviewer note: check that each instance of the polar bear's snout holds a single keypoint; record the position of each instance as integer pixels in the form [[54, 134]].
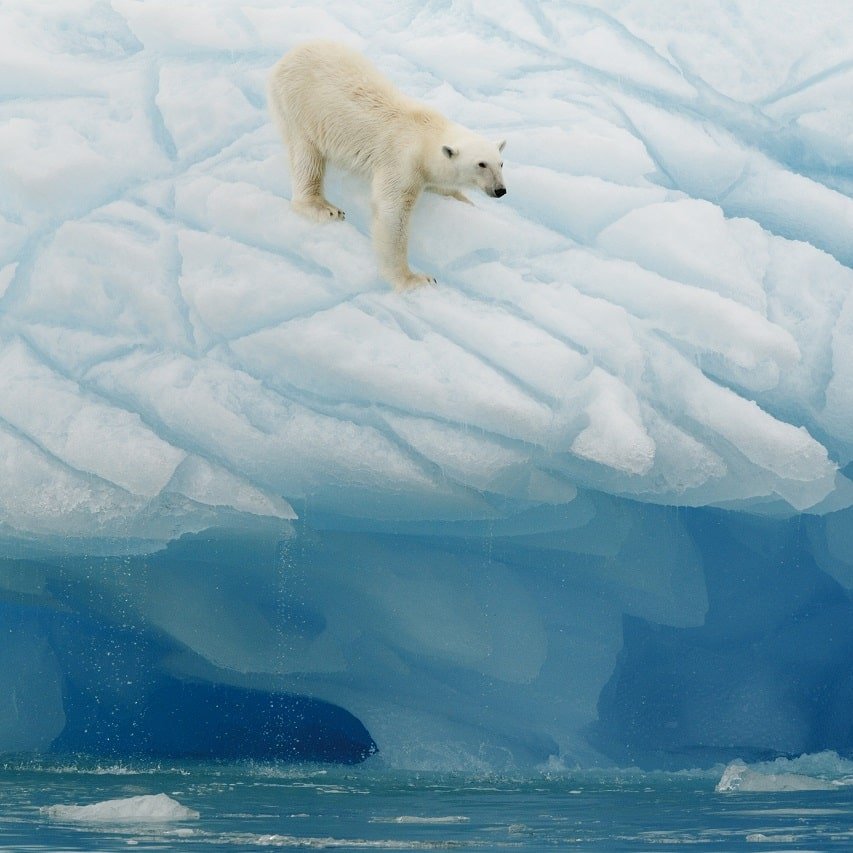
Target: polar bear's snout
[[500, 192]]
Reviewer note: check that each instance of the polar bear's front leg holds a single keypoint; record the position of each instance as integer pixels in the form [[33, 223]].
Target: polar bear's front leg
[[392, 210]]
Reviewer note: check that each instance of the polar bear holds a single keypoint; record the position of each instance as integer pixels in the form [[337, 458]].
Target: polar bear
[[332, 105]]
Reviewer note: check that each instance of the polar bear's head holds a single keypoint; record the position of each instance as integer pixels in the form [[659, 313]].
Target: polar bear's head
[[476, 162]]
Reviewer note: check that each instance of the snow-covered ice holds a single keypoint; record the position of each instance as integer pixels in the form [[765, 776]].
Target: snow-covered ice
[[449, 499], [658, 309]]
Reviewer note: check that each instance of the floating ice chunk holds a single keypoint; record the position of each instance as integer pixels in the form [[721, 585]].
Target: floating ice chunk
[[470, 110], [70, 37], [27, 68], [425, 821], [347, 843], [779, 838], [681, 461], [154, 808], [476, 459], [738, 777], [588, 324]]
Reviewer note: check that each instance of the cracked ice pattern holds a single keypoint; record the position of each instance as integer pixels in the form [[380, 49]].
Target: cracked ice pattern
[[661, 308]]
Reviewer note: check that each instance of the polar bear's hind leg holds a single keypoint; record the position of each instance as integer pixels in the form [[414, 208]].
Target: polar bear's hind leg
[[307, 169]]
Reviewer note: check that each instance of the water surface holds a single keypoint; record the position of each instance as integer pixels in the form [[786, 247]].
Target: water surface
[[252, 806]]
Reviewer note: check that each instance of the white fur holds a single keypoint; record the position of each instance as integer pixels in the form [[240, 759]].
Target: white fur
[[332, 105]]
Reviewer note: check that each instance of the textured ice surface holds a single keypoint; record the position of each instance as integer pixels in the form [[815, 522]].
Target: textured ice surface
[[660, 308], [434, 510]]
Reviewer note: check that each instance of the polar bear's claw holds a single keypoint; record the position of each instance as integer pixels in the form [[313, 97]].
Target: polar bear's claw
[[414, 280], [318, 211]]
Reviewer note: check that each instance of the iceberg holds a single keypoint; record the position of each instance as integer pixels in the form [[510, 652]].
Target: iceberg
[[590, 497]]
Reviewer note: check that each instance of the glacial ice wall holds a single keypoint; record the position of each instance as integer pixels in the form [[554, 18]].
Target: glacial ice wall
[[434, 510]]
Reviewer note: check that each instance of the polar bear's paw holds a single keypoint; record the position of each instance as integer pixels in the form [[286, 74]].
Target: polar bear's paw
[[318, 210], [412, 280]]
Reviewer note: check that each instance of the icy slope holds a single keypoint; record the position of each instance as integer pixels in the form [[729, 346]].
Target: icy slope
[[660, 308]]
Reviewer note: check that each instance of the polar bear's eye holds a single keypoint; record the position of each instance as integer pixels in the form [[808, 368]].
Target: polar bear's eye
[[482, 165]]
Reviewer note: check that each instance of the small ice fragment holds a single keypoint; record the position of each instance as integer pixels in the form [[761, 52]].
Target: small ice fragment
[[152, 807], [738, 777], [417, 819], [776, 839]]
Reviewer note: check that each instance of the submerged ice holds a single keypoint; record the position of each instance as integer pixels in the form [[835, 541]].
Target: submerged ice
[[493, 521]]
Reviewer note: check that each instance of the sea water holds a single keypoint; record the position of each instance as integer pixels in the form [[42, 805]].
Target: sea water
[[252, 806]]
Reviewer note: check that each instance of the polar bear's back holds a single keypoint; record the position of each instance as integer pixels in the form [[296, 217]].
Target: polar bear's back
[[340, 102]]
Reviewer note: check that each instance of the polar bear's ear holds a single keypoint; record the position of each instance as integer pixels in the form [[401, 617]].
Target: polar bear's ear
[[502, 145], [449, 152]]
